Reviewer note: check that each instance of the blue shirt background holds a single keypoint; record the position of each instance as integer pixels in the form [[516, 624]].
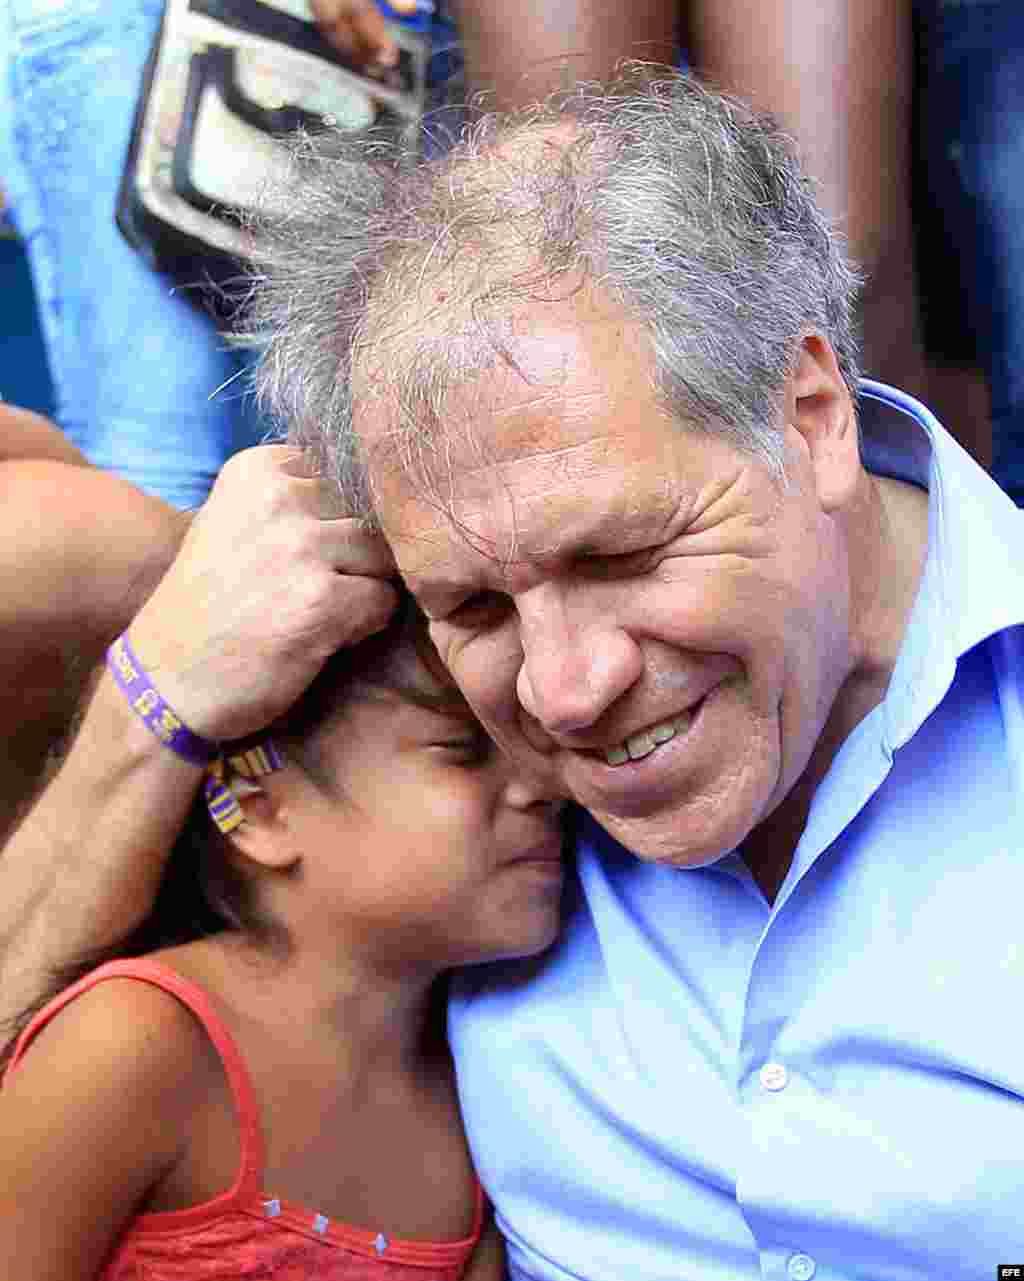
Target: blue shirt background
[[695, 1084]]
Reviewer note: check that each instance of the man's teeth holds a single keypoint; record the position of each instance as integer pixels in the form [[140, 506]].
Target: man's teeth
[[639, 745]]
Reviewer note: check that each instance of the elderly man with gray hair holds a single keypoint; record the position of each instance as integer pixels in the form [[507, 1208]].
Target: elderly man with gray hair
[[593, 377]]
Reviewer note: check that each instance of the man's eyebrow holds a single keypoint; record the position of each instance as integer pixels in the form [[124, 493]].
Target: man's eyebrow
[[603, 534]]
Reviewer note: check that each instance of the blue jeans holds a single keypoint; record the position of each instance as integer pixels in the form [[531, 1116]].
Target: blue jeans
[[972, 69], [141, 377]]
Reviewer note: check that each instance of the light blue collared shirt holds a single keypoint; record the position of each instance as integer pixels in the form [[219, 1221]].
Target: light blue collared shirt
[[697, 1086]]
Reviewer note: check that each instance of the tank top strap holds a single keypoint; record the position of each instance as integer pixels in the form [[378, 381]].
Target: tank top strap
[[248, 1181]]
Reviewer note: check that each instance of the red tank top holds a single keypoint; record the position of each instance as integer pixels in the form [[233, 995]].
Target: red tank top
[[247, 1232]]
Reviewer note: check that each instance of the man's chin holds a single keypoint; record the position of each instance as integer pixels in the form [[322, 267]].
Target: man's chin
[[673, 840]]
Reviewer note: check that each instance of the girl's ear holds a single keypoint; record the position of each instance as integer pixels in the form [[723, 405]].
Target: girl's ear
[[263, 836]]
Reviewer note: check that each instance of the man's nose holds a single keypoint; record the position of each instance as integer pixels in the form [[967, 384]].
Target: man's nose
[[576, 663]]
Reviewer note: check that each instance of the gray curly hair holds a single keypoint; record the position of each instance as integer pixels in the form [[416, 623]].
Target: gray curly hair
[[680, 204]]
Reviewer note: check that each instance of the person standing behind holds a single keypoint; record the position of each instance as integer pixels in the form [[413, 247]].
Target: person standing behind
[[145, 385], [136, 367], [971, 125], [838, 75]]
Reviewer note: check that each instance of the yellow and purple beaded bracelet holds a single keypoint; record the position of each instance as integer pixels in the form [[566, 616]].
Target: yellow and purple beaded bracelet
[[260, 758]]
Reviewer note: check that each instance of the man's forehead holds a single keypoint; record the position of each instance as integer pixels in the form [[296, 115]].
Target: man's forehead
[[556, 379], [575, 340], [554, 448], [537, 499]]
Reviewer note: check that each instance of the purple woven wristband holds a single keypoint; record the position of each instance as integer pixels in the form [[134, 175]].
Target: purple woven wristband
[[137, 686]]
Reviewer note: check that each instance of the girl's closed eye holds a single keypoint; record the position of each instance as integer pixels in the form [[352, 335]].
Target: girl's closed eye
[[470, 747]]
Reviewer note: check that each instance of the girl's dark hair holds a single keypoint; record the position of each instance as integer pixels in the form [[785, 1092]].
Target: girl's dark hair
[[202, 892]]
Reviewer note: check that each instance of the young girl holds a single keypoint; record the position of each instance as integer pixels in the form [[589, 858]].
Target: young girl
[[266, 1089]]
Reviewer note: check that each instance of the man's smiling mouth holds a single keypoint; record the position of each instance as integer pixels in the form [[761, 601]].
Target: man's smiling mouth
[[637, 746]]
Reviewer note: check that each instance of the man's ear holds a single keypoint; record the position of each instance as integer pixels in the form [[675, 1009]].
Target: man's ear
[[819, 406], [263, 836]]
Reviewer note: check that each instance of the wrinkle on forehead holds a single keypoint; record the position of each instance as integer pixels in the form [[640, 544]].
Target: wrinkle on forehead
[[456, 321], [542, 505], [577, 375]]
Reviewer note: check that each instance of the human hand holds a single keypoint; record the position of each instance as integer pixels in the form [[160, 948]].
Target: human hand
[[357, 29], [269, 582]]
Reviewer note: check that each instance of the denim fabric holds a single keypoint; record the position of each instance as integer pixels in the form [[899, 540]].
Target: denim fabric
[[137, 369], [973, 119]]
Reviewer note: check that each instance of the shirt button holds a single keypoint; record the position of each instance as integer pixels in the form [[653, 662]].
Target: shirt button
[[773, 1076], [801, 1267]]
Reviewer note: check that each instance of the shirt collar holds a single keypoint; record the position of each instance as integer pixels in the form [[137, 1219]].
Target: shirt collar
[[972, 586], [973, 580]]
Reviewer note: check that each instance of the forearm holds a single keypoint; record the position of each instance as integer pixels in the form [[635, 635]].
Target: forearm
[[83, 867], [81, 552], [516, 54]]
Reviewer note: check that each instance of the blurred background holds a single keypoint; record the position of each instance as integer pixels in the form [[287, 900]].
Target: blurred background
[[24, 373], [909, 115]]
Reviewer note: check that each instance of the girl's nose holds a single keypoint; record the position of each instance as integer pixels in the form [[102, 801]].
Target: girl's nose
[[526, 791]]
